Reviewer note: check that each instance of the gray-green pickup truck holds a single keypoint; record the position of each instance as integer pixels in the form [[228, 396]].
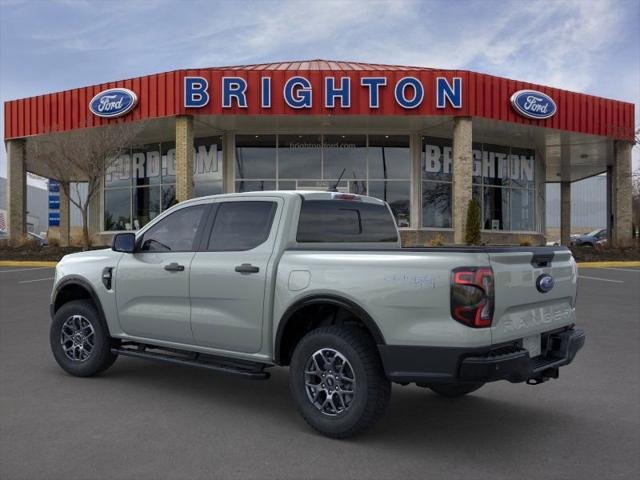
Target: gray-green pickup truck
[[316, 281]]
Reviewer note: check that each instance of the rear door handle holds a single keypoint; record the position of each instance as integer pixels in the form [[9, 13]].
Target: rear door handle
[[174, 267], [247, 268]]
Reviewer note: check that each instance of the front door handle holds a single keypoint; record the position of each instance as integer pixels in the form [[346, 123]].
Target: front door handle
[[247, 268], [174, 267]]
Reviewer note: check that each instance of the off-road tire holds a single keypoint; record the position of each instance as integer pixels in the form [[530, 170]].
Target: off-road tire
[[100, 358], [372, 388], [453, 390]]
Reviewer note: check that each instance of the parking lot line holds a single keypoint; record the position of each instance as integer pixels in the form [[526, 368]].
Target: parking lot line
[[601, 279], [23, 269], [36, 280]]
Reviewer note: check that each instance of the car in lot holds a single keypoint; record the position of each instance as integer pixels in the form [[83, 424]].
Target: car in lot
[[316, 281], [591, 239]]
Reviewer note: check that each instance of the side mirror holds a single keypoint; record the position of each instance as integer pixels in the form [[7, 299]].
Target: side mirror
[[124, 242]]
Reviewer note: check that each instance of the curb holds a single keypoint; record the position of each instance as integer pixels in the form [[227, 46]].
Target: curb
[[26, 263], [608, 264]]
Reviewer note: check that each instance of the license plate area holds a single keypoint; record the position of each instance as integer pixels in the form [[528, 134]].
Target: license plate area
[[533, 344]]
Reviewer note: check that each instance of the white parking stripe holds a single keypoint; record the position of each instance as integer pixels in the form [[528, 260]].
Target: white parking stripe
[[601, 279], [36, 280], [23, 269]]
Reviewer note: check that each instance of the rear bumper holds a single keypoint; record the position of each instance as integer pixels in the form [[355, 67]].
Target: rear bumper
[[409, 364]]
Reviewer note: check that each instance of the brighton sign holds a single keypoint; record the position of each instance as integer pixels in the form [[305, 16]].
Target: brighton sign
[[533, 104], [113, 103], [298, 93]]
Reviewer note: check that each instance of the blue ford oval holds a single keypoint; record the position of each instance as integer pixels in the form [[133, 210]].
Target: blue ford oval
[[533, 104], [114, 102], [545, 283]]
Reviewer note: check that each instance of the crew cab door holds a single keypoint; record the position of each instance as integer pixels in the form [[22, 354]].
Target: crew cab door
[[229, 276], [152, 284]]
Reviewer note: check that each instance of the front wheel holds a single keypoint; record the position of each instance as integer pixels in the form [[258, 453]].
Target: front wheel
[[80, 340], [338, 382], [453, 390]]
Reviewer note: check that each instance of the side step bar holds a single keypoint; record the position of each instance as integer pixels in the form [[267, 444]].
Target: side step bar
[[248, 370]]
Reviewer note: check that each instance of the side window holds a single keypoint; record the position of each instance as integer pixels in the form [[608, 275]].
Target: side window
[[241, 225], [175, 233]]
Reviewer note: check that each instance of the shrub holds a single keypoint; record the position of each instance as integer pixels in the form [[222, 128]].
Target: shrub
[[472, 233]]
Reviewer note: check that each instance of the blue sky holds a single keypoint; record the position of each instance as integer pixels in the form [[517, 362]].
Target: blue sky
[[582, 45]]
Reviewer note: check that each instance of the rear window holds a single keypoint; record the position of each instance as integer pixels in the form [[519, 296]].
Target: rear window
[[345, 221]]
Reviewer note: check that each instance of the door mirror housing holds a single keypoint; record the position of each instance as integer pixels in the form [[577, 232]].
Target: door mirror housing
[[124, 242]]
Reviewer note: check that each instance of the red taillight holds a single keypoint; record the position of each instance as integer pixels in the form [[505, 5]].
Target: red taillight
[[472, 296]]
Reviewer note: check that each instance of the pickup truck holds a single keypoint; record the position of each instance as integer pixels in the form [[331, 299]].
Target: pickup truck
[[316, 281]]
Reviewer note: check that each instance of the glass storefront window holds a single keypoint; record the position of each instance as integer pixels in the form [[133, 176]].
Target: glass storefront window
[[397, 195], [117, 209], [118, 174], [522, 167], [389, 157], [168, 198], [168, 162], [436, 159], [521, 210], [299, 156], [255, 185], [255, 156], [146, 165], [496, 208], [344, 152], [146, 205], [436, 204]]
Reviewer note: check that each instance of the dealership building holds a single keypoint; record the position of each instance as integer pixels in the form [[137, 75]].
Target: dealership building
[[425, 140]]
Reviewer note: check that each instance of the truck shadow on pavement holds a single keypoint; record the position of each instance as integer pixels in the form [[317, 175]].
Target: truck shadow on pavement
[[416, 418]]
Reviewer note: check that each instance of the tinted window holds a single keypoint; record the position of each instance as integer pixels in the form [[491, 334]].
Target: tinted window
[[241, 225], [345, 221], [175, 233]]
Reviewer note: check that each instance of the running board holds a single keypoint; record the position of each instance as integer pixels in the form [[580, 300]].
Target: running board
[[248, 370]]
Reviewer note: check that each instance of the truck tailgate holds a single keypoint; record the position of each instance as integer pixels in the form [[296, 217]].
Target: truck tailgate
[[522, 306]]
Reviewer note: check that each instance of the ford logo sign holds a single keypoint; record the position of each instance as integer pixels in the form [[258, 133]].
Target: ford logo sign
[[114, 102], [544, 283], [533, 104]]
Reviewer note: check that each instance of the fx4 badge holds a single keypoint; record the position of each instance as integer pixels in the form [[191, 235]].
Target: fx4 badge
[[544, 283]]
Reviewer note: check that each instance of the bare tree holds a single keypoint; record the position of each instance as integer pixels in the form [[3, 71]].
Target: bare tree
[[82, 156]]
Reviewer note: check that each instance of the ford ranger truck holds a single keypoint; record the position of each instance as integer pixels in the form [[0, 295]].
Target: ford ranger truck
[[318, 282]]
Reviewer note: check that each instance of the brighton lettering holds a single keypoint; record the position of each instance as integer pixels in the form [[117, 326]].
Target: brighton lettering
[[298, 92]]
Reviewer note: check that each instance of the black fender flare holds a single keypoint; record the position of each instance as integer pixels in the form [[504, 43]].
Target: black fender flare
[[336, 300], [81, 282]]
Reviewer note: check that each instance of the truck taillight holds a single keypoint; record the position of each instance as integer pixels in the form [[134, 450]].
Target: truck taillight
[[472, 296]]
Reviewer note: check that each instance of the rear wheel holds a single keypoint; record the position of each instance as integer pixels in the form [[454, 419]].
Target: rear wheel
[[453, 390], [337, 381], [80, 340]]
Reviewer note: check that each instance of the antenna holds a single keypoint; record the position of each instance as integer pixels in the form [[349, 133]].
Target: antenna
[[335, 187]]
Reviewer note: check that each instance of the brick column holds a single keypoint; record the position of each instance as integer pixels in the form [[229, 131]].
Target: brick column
[[65, 215], [16, 191], [462, 175], [184, 157], [228, 163], [621, 185], [565, 213], [416, 180]]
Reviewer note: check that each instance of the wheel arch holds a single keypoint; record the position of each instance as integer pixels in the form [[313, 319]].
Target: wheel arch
[[288, 320], [73, 288]]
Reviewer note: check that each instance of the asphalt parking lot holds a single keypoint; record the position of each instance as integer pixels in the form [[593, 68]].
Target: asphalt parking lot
[[153, 421]]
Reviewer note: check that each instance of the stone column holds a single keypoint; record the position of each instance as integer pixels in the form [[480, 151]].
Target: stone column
[[184, 157], [65, 215], [16, 191], [462, 158], [416, 180], [228, 162], [565, 213], [621, 183]]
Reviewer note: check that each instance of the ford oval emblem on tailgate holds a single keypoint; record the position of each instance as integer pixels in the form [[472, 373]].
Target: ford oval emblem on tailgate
[[544, 283]]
